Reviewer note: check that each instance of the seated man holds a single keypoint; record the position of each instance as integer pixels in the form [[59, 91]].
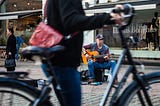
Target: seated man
[[19, 42], [98, 56]]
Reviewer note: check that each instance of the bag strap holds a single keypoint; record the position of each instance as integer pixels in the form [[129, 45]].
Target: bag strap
[[70, 36], [45, 9], [45, 18]]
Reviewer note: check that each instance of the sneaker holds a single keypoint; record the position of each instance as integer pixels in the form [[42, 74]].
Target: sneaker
[[116, 82], [84, 83], [91, 80], [96, 83]]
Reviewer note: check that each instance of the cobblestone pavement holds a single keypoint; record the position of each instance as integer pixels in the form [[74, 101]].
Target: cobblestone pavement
[[91, 95]]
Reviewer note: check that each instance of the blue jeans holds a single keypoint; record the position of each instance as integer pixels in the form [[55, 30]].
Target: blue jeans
[[70, 84], [94, 65]]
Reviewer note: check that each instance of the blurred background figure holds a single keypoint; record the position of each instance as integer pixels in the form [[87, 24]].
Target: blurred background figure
[[19, 42], [11, 46], [155, 25]]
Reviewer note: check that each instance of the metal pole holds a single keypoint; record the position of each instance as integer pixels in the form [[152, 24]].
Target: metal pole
[[3, 10]]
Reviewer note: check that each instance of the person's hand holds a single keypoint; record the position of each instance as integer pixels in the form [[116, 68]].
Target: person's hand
[[118, 17], [9, 53], [25, 45], [88, 56], [107, 57]]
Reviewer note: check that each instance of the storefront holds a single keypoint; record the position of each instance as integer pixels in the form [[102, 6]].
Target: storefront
[[140, 26], [24, 22]]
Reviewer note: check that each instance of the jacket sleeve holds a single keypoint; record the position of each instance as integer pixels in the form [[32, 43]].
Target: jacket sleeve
[[87, 46], [75, 20], [11, 45]]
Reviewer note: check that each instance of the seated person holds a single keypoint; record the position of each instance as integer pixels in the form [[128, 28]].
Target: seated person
[[19, 42], [102, 60]]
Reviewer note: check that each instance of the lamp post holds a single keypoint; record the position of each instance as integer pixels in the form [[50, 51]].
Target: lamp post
[[3, 24]]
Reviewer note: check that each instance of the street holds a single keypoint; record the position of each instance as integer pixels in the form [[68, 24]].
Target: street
[[91, 95]]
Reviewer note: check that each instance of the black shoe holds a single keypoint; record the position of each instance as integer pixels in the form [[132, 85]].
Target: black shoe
[[91, 80]]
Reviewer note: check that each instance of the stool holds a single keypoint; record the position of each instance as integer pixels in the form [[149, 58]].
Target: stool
[[102, 75]]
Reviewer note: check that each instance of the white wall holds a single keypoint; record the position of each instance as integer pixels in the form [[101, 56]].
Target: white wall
[[103, 1], [88, 37]]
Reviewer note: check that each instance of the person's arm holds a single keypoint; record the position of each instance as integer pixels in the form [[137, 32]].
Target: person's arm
[[84, 48], [107, 54], [87, 46], [25, 45], [73, 20], [22, 42], [85, 51], [9, 46]]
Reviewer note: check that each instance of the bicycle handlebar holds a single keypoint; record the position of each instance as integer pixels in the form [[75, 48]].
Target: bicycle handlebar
[[127, 9]]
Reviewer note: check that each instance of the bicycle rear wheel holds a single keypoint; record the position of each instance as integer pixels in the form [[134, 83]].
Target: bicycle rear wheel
[[17, 93], [130, 97]]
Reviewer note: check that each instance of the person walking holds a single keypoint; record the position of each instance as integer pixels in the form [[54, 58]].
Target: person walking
[[11, 46], [68, 17]]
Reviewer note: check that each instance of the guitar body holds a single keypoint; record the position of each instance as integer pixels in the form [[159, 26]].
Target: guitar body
[[91, 54], [84, 59]]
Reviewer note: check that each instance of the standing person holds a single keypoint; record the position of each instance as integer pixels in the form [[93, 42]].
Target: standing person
[[102, 61], [11, 46], [155, 25], [19, 42], [68, 16]]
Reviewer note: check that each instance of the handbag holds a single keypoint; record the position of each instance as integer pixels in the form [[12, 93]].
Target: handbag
[[9, 62], [45, 36]]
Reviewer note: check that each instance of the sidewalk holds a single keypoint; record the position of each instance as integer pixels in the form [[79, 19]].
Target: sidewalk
[[91, 95]]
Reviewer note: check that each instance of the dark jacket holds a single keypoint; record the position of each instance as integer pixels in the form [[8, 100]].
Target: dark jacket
[[11, 45], [67, 16]]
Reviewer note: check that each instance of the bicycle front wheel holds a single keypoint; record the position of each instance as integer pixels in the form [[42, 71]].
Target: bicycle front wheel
[[130, 96], [17, 93]]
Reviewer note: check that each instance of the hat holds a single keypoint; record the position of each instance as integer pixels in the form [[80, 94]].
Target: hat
[[99, 36]]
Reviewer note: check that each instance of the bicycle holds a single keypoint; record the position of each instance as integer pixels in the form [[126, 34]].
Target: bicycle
[[140, 88]]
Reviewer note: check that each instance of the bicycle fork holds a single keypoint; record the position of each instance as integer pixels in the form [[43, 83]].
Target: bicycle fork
[[43, 96], [144, 85]]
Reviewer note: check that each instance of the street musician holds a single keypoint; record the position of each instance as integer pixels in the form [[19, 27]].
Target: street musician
[[97, 56]]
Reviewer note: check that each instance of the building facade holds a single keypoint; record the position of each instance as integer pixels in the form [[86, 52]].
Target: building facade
[[23, 15], [141, 27]]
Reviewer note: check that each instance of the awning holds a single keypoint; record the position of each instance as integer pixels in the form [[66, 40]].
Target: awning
[[19, 14], [138, 5], [144, 9]]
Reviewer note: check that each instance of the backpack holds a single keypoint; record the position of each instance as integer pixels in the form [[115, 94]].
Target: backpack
[[84, 74]]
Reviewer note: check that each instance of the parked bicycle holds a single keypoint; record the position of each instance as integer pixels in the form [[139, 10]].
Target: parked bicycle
[[15, 92]]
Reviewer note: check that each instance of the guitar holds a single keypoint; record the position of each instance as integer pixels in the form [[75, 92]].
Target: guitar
[[92, 55]]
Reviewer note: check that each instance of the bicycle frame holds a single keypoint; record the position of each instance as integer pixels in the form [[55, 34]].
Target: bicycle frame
[[47, 68], [49, 73], [131, 69]]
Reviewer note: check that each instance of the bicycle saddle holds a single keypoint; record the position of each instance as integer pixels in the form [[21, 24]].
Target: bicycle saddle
[[31, 51]]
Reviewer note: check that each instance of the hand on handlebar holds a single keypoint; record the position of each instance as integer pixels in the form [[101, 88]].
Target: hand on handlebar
[[118, 17], [120, 12]]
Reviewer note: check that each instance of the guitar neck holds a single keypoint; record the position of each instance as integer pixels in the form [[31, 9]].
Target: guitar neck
[[98, 56]]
